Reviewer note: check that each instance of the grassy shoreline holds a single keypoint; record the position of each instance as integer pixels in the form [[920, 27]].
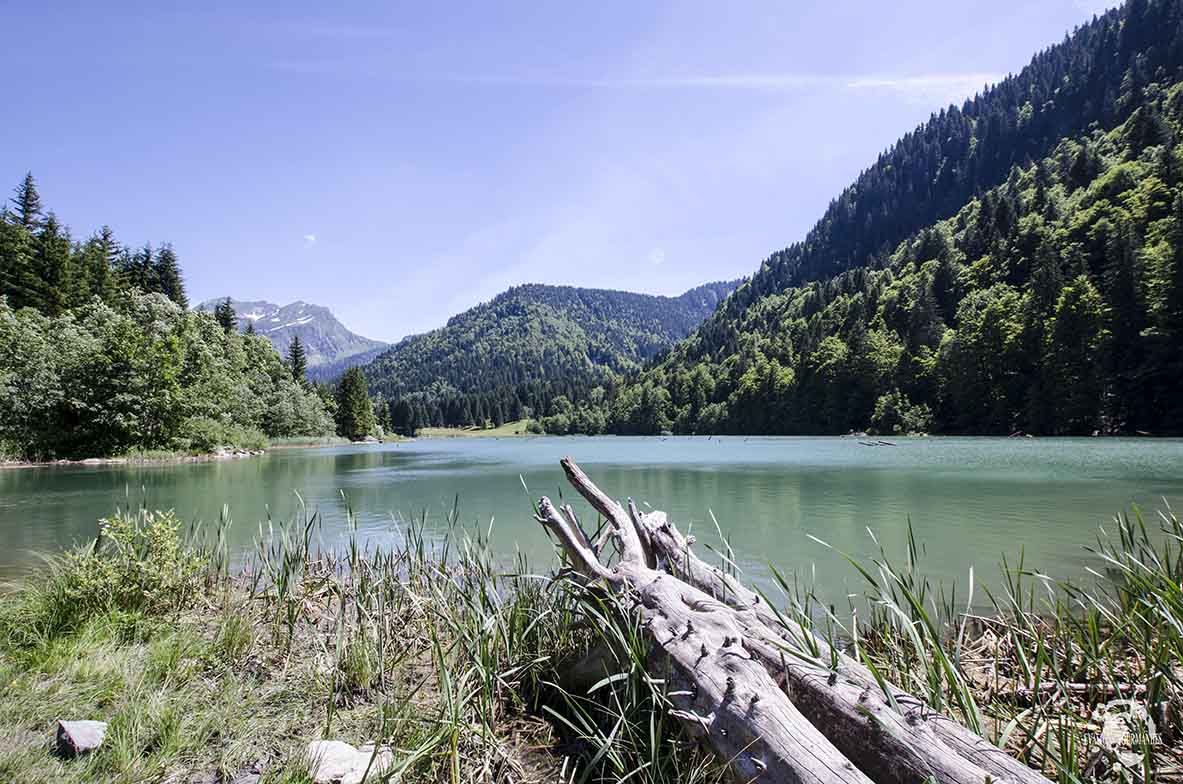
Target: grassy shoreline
[[147, 457], [166, 456], [516, 429], [461, 662]]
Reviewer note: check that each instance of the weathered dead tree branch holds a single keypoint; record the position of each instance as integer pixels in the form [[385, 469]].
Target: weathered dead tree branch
[[770, 699]]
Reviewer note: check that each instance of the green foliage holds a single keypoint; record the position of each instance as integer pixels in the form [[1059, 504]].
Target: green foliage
[[42, 267], [98, 355], [894, 413], [167, 275], [142, 373], [403, 418], [1014, 264], [236, 636], [203, 435], [355, 413], [224, 315], [297, 360], [138, 565], [27, 203], [513, 357]]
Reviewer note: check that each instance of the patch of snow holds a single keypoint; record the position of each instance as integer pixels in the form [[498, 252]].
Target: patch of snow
[[295, 323]]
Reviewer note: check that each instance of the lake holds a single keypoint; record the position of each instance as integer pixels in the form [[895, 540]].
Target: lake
[[970, 500]]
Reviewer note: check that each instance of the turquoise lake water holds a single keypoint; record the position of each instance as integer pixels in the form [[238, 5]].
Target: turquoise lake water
[[970, 500]]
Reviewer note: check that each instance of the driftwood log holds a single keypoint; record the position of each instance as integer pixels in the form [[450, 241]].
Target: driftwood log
[[770, 699]]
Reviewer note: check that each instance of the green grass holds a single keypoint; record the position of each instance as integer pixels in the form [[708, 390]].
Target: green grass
[[306, 441], [463, 663], [516, 428]]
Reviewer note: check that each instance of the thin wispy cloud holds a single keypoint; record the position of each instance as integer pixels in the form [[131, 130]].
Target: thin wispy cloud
[[720, 81], [932, 85], [309, 240]]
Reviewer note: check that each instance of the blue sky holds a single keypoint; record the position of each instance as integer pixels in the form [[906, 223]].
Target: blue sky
[[401, 162]]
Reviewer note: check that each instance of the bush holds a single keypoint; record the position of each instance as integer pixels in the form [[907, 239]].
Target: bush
[[141, 373], [203, 434], [138, 565], [894, 414]]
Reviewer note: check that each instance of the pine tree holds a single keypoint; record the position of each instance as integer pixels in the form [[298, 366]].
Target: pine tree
[[382, 414], [402, 418], [297, 361], [250, 328], [18, 280], [100, 257], [166, 274], [224, 313], [53, 263], [28, 203], [137, 271], [355, 414]]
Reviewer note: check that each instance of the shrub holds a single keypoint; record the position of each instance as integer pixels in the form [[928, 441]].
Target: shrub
[[203, 434], [138, 565], [894, 413]]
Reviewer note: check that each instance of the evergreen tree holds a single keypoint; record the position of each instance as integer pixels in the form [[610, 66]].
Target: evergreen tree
[[224, 313], [297, 361], [250, 328], [60, 285], [136, 269], [100, 258], [28, 204], [355, 413], [1078, 338], [166, 275], [402, 418], [18, 280]]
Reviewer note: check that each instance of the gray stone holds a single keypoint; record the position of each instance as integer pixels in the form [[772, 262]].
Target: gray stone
[[337, 762], [251, 774], [79, 737]]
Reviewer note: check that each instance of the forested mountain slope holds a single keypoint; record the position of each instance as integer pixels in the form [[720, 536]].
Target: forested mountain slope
[[1049, 300], [509, 357], [1095, 76]]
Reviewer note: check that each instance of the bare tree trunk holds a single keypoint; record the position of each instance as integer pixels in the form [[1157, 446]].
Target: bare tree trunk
[[674, 549], [761, 695]]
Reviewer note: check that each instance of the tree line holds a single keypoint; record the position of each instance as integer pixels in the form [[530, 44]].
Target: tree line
[[43, 267], [100, 356], [1051, 304], [1008, 266], [512, 358], [1011, 265]]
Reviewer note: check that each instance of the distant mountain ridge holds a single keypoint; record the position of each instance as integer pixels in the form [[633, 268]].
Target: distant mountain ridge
[[553, 339], [330, 346]]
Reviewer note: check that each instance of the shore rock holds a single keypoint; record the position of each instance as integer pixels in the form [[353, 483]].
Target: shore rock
[[79, 737], [337, 762]]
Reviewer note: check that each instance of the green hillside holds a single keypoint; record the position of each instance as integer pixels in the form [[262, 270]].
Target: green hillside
[[510, 357], [1021, 250]]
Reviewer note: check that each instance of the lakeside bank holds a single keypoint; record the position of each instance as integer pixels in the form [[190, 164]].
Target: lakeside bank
[[166, 457], [459, 660]]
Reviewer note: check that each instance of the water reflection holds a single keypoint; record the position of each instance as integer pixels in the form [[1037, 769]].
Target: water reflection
[[969, 500]]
